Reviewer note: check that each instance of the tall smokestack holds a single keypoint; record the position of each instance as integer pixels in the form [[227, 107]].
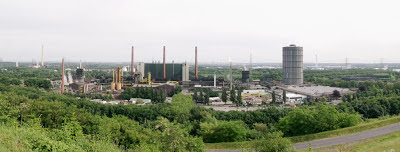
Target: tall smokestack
[[132, 64], [165, 74], [62, 77], [42, 56], [196, 70]]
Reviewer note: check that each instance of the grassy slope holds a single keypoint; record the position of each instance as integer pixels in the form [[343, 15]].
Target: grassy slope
[[371, 124], [9, 141], [388, 142], [15, 139]]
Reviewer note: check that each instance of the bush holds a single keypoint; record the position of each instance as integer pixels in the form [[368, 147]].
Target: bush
[[273, 142], [223, 131], [38, 83], [303, 121]]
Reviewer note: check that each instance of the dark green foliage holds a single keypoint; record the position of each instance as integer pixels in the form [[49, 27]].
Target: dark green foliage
[[156, 96], [273, 97], [71, 125], [38, 83], [239, 100], [195, 95], [8, 81], [283, 96], [178, 89], [207, 98], [224, 96], [303, 121], [201, 96], [232, 95], [274, 142], [223, 131]]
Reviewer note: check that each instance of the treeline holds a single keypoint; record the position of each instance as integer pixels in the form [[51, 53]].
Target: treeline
[[68, 128], [373, 99], [9, 81], [181, 111], [38, 83], [339, 74], [26, 72], [202, 95], [156, 95], [308, 120]]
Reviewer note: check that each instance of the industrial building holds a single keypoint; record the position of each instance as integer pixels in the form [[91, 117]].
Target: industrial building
[[292, 65], [173, 72], [316, 92], [245, 76]]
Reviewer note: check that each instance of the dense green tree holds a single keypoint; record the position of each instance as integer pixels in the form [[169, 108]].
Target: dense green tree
[[201, 96], [156, 96], [336, 94], [239, 100], [233, 96], [223, 131], [284, 96], [274, 142], [302, 121], [195, 95], [224, 96], [273, 97], [207, 98], [38, 83]]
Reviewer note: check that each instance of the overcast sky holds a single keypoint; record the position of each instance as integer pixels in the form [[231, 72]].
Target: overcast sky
[[104, 30]]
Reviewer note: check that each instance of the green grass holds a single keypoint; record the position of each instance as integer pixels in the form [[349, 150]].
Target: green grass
[[371, 124], [367, 125], [28, 138], [384, 143], [229, 145]]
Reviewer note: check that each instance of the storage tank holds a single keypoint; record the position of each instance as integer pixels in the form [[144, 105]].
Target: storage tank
[[119, 86], [113, 86], [292, 65]]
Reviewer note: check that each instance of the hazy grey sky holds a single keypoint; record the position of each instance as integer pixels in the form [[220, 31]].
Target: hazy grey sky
[[105, 30]]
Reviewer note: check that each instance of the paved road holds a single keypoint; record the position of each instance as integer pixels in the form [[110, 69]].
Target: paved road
[[348, 138], [340, 140]]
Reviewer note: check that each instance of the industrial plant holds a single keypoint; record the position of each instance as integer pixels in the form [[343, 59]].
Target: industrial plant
[[166, 77]]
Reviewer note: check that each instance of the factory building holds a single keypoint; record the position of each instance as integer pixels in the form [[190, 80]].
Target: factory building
[[173, 72], [79, 86], [292, 65], [245, 76]]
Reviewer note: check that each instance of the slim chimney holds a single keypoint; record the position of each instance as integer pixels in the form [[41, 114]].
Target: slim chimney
[[42, 56], [62, 77], [165, 75], [132, 64], [196, 70]]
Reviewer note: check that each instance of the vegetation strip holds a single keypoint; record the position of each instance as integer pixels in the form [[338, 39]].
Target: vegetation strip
[[328, 134]]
